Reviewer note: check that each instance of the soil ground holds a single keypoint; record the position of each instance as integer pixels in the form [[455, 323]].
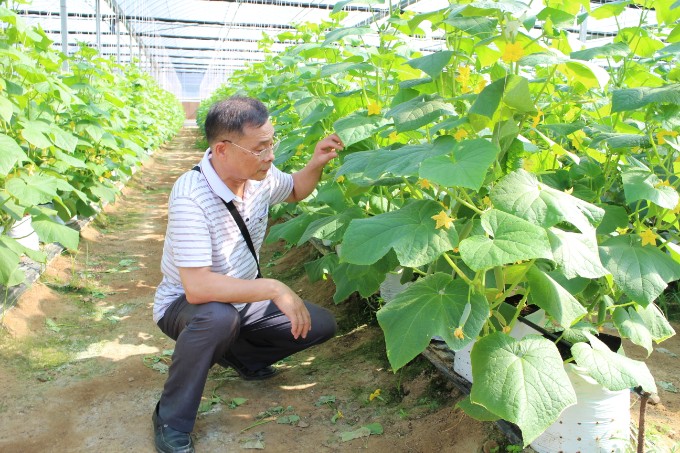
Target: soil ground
[[82, 363]]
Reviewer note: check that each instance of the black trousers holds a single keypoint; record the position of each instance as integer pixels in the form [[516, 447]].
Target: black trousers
[[257, 336]]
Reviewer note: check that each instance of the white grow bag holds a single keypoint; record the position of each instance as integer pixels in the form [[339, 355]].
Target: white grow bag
[[599, 421], [22, 230], [392, 286], [461, 359]]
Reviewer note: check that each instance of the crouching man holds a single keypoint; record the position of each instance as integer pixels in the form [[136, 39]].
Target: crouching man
[[211, 301]]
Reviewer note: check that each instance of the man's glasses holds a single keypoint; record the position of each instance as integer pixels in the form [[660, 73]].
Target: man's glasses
[[261, 153]]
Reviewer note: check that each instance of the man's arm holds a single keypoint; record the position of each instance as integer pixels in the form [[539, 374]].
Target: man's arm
[[305, 180], [202, 285]]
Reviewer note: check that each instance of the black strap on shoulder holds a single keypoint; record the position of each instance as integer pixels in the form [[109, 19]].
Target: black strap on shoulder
[[241, 226]]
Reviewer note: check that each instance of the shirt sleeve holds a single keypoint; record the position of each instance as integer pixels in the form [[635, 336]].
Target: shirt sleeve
[[189, 234], [281, 185]]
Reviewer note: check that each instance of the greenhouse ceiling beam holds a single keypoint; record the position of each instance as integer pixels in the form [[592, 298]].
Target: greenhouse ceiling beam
[[304, 5], [142, 19]]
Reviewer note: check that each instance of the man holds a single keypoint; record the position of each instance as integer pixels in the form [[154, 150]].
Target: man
[[210, 300]]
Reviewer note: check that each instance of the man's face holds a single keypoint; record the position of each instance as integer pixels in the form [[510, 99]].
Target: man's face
[[240, 159]]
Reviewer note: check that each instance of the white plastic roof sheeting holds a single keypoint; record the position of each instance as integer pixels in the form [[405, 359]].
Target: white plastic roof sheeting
[[191, 46]]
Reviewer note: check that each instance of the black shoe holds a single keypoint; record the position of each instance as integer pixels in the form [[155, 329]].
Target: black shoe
[[169, 440], [247, 375]]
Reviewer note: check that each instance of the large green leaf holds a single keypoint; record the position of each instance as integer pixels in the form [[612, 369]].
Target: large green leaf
[[617, 140], [634, 98], [467, 166], [521, 381], [337, 34], [522, 194], [576, 254], [10, 154], [586, 73], [49, 231], [34, 133], [615, 49], [357, 127], [479, 27], [433, 63], [658, 326], [434, 305], [611, 370], [418, 112], [512, 90], [508, 239], [642, 272], [63, 139], [641, 184], [553, 298], [33, 189], [341, 68], [403, 161], [331, 227], [631, 325], [610, 9], [9, 262], [410, 231], [476, 411], [292, 230]]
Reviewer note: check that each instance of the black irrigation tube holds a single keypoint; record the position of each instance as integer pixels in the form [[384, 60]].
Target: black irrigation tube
[[441, 356]]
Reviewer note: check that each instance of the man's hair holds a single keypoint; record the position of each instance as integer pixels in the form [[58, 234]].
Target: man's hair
[[233, 115]]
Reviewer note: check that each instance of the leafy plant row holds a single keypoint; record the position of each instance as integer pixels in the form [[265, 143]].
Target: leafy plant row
[[72, 129], [513, 165]]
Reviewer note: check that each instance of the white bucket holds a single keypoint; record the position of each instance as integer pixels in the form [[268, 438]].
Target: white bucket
[[598, 422], [461, 359], [23, 232], [392, 286]]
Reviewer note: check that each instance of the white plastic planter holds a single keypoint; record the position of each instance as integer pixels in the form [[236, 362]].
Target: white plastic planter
[[598, 422], [22, 230], [461, 359], [392, 286]]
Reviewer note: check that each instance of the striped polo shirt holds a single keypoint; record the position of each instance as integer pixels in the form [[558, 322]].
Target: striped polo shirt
[[201, 232]]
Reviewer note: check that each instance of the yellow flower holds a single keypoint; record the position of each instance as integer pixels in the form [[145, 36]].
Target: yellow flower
[[458, 333], [373, 109], [537, 119], [677, 209], [443, 220], [460, 134], [662, 183], [622, 230], [393, 136], [513, 52], [569, 191], [506, 329], [463, 78], [340, 178], [463, 74], [648, 237], [486, 200], [374, 395], [480, 86], [424, 184], [661, 136]]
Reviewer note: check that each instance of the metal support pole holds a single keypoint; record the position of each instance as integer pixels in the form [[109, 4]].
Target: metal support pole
[[64, 32], [98, 26], [117, 40], [583, 30]]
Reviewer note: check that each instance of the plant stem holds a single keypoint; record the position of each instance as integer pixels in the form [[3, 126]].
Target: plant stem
[[457, 270]]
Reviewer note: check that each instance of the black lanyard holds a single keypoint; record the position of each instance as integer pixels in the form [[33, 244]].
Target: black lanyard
[[241, 226]]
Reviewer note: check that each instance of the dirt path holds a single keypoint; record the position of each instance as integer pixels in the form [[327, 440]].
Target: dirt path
[[81, 361]]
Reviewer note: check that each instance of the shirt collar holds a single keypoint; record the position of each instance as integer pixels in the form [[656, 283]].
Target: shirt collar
[[218, 187]]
